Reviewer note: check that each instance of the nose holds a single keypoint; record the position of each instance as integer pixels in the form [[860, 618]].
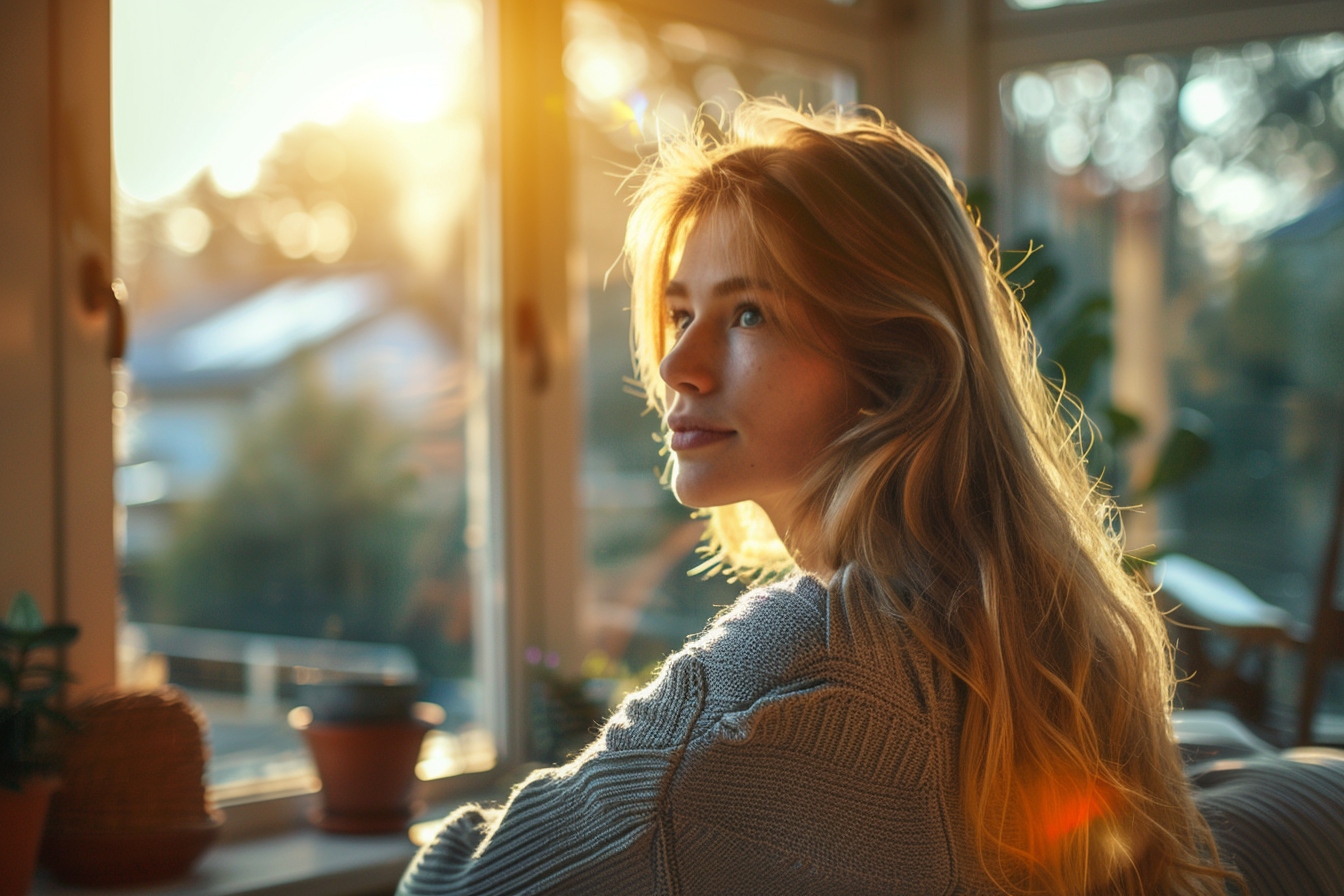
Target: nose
[[689, 367]]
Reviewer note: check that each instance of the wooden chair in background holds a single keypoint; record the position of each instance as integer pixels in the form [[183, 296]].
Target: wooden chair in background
[[1327, 636], [1201, 598]]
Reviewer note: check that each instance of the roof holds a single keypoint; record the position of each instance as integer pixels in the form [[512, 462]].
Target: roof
[[236, 341]]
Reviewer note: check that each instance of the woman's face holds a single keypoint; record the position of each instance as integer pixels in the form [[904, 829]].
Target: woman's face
[[751, 409]]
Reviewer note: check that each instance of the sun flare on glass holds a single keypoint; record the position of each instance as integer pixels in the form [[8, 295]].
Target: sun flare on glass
[[259, 68]]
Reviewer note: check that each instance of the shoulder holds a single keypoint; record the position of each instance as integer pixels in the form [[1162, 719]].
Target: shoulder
[[794, 608], [766, 636], [800, 630]]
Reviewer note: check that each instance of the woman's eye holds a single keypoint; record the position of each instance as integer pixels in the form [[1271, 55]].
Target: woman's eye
[[750, 317], [680, 320]]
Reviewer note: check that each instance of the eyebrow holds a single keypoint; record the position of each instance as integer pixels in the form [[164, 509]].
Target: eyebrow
[[720, 289]]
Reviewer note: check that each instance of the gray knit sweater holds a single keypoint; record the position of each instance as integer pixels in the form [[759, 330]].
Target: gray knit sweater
[[801, 745]]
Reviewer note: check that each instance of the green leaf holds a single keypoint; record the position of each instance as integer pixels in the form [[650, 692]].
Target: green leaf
[[979, 199], [55, 636], [1097, 304], [24, 616], [1039, 290], [1124, 425], [1187, 451], [1078, 358], [1082, 340]]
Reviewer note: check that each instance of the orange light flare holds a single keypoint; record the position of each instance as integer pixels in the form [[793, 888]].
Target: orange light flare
[[1063, 809]]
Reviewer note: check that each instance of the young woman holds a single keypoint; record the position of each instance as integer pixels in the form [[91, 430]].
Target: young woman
[[957, 688]]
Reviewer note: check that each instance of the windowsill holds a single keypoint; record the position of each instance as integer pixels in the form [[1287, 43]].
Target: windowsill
[[296, 861]]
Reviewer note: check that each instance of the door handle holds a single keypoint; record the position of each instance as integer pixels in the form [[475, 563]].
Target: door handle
[[99, 297]]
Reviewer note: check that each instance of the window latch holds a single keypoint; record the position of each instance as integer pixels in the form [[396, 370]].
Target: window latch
[[103, 297]]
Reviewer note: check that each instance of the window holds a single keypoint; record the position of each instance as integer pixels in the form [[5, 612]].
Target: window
[[351, 334], [1202, 190], [296, 206]]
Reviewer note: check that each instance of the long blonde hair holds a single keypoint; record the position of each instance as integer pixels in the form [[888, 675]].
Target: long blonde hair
[[958, 499]]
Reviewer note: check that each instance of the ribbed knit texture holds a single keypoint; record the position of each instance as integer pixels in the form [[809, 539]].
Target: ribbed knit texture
[[1278, 820], [800, 745]]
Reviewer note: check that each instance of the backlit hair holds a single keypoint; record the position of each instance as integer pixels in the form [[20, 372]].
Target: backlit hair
[[958, 499]]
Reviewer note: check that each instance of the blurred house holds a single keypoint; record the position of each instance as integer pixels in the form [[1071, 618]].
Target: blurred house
[[201, 370]]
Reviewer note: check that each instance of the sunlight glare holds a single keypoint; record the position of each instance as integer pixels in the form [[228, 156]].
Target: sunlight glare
[[235, 173], [256, 69]]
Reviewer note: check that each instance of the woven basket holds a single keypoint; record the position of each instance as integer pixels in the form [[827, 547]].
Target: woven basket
[[133, 808]]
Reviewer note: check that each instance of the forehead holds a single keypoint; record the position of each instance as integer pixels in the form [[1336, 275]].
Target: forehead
[[717, 246]]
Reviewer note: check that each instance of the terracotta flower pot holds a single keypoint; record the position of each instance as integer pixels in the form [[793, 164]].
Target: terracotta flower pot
[[367, 771], [21, 818]]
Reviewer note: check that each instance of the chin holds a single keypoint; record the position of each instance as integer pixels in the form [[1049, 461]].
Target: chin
[[695, 488]]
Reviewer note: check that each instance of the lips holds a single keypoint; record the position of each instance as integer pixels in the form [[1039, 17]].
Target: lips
[[697, 438], [688, 434]]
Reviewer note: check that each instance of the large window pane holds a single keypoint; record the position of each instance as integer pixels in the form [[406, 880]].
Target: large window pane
[[1203, 191], [630, 78], [297, 186]]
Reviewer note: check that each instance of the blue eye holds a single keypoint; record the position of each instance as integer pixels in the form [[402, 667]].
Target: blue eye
[[750, 317]]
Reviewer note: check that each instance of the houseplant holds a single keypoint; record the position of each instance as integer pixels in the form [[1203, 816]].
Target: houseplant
[[30, 688], [365, 737]]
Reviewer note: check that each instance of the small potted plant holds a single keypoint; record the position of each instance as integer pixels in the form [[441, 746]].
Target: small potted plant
[[365, 738], [30, 687]]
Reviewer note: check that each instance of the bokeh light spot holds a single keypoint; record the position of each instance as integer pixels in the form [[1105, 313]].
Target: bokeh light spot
[[187, 230]]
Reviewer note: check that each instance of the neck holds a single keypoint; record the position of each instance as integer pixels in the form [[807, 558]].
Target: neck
[[784, 517]]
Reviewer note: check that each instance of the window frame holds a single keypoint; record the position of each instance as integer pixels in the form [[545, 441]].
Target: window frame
[[56, 457], [543, 597]]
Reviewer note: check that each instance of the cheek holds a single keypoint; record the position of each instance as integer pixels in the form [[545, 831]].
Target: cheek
[[801, 403]]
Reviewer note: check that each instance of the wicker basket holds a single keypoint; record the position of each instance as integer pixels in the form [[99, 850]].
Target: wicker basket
[[134, 808]]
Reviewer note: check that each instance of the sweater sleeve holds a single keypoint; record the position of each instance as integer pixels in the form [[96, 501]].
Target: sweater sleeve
[[593, 825]]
